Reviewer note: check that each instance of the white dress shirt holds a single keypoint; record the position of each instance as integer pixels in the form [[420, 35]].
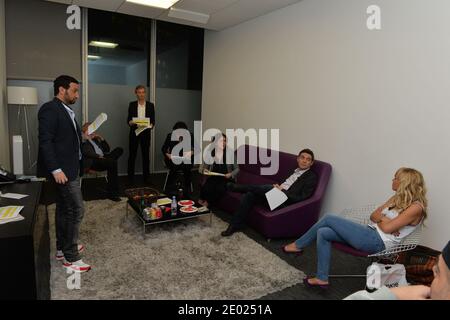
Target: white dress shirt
[[141, 110], [294, 177]]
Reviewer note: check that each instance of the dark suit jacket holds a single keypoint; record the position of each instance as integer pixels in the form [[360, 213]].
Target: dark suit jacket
[[303, 188], [133, 113], [58, 143], [89, 152]]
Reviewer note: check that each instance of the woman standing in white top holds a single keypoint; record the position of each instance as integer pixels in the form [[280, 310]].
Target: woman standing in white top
[[392, 221]]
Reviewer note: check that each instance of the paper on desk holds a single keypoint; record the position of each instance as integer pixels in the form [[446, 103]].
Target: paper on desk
[[18, 218], [10, 212], [275, 198], [163, 202], [102, 117], [13, 195]]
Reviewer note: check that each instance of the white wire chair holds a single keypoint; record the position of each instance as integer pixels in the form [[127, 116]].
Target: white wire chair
[[361, 215]]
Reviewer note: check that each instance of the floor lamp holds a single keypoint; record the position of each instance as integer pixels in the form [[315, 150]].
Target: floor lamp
[[23, 97]]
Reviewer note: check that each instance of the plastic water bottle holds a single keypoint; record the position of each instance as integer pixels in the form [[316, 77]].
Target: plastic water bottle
[[174, 206]]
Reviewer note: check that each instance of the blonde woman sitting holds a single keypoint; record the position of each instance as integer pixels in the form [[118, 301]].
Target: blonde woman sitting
[[390, 224]]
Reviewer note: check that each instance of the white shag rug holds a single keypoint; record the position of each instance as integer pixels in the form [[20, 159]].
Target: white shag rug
[[180, 260]]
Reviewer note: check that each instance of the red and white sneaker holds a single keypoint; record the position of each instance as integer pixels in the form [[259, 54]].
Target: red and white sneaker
[[77, 266], [60, 255]]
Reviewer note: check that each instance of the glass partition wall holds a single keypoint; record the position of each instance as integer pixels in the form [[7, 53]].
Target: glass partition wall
[[121, 55]]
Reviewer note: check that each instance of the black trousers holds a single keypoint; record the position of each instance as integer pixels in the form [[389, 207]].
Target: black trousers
[[144, 140], [109, 163], [174, 173]]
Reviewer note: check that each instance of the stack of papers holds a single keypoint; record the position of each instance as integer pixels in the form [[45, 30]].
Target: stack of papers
[[163, 202], [10, 214], [143, 124], [275, 198]]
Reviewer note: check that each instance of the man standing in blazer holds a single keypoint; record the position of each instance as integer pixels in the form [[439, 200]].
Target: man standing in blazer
[[59, 160], [297, 187], [140, 109]]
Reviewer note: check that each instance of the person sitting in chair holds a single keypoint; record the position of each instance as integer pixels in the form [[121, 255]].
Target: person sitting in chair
[[98, 157], [223, 165], [390, 224], [298, 187], [174, 169]]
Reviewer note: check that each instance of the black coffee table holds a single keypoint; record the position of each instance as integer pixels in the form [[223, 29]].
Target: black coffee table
[[167, 216]]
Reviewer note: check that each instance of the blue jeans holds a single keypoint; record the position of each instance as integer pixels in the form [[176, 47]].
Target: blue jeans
[[253, 194], [332, 228], [69, 213]]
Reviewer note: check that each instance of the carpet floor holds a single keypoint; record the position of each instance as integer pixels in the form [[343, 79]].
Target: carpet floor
[[181, 260]]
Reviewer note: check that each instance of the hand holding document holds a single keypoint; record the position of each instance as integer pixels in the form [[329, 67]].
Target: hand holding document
[[275, 198], [206, 172], [143, 124], [102, 117]]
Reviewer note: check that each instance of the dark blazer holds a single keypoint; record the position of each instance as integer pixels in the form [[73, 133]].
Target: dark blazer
[[133, 113], [59, 145], [89, 152], [303, 188]]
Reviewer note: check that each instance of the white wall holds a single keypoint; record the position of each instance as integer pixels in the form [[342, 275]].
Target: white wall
[[366, 101], [4, 137]]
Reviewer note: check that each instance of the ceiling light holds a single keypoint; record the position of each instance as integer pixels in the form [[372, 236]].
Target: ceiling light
[[103, 44], [164, 4], [91, 57], [188, 15]]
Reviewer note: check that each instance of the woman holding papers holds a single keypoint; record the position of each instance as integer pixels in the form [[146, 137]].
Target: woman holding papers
[[219, 171], [141, 119], [390, 224]]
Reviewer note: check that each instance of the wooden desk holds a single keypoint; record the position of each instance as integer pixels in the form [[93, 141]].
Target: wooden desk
[[24, 247]]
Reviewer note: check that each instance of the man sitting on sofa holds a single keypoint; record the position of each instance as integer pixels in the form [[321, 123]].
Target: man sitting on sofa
[[298, 187], [98, 157]]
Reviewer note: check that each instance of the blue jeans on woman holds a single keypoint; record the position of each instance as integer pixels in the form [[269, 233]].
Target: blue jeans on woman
[[332, 228]]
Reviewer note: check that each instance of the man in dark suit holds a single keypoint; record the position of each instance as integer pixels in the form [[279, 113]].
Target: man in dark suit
[[59, 160], [297, 187], [140, 109], [98, 156]]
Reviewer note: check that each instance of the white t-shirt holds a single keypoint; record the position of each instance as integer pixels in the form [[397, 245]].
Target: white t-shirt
[[391, 240]]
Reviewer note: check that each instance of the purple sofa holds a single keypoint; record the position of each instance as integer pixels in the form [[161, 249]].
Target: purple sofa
[[288, 222]]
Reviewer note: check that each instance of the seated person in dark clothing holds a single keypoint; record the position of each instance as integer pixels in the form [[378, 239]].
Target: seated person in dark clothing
[[175, 169], [98, 157], [215, 187], [298, 187]]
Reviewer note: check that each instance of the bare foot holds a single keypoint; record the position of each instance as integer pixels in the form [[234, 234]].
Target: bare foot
[[292, 248], [317, 282]]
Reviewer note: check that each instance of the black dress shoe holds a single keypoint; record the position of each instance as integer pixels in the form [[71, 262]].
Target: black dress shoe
[[230, 230]]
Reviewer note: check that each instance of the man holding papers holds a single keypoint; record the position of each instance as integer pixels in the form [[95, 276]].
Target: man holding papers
[[98, 156], [60, 161], [141, 119], [297, 187]]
